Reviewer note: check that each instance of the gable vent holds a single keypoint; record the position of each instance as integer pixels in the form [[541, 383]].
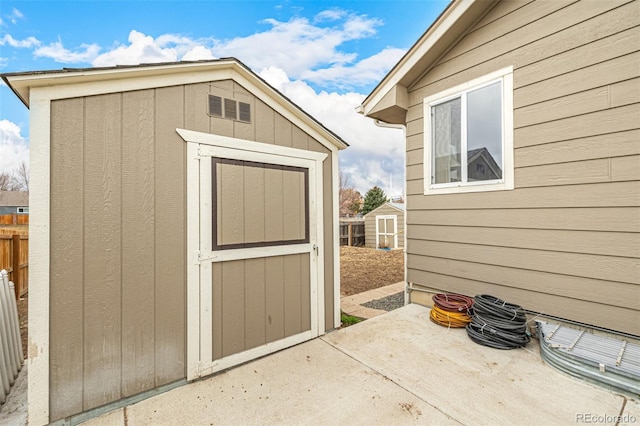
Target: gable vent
[[230, 107], [245, 111], [215, 106]]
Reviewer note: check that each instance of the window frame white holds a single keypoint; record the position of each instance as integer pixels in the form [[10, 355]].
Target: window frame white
[[505, 76]]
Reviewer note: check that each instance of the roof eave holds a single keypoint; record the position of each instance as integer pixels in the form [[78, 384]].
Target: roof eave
[[435, 42], [22, 82]]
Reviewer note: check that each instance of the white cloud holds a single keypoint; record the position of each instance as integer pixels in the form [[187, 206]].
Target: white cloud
[[145, 49], [13, 147], [319, 56], [15, 15], [27, 43], [329, 15], [57, 52], [198, 53], [314, 46], [367, 71], [375, 154]]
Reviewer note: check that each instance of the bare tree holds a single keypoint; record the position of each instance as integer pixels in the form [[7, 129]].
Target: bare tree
[[5, 181], [20, 178], [349, 198]]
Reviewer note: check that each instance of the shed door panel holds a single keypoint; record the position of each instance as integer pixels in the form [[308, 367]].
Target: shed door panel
[[265, 300], [259, 265]]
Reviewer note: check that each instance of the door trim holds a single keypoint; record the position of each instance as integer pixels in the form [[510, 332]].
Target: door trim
[[202, 145]]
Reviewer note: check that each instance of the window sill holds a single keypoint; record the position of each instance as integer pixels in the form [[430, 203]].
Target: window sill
[[462, 189]]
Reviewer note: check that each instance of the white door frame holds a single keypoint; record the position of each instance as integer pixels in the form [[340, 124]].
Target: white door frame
[[386, 231], [201, 147]]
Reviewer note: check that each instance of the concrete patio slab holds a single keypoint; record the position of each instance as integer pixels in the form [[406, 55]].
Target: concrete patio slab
[[394, 369], [472, 384], [312, 383]]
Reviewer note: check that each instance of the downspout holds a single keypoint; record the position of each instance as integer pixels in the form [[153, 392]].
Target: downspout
[[403, 127]]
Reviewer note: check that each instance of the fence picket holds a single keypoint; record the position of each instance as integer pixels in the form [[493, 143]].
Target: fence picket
[[11, 355], [14, 257]]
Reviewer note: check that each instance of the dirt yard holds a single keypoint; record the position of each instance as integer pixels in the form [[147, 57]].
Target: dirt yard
[[363, 269]]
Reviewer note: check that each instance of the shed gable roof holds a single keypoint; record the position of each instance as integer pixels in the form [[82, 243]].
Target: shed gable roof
[[14, 199], [77, 82], [395, 206], [388, 101]]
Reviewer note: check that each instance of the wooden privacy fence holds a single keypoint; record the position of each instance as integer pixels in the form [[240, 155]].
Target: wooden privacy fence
[[14, 219], [352, 232], [11, 355], [14, 257]]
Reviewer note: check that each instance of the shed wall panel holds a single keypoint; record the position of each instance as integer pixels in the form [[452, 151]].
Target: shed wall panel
[[573, 216], [66, 347], [170, 237], [138, 234], [102, 250]]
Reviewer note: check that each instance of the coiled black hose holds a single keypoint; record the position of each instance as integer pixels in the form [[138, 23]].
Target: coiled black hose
[[497, 324]]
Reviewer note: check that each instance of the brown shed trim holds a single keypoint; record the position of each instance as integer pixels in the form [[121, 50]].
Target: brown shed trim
[[214, 204]]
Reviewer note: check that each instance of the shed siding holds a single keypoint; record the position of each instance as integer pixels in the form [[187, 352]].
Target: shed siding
[[565, 242], [118, 237], [370, 225]]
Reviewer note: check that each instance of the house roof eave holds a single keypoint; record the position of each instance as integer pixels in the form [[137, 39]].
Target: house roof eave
[[436, 41]]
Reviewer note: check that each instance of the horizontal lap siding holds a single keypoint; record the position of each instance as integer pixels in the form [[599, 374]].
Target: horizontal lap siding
[[566, 241]]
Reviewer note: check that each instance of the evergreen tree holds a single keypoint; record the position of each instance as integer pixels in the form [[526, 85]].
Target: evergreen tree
[[374, 198]]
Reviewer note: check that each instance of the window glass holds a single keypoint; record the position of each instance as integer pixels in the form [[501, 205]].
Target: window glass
[[484, 133], [446, 125]]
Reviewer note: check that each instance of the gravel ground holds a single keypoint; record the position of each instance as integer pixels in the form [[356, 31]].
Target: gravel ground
[[388, 303]]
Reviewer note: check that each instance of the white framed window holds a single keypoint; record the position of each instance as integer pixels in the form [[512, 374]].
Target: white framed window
[[468, 136]]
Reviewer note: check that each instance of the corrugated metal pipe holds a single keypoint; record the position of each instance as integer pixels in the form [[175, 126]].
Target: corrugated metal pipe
[[11, 354], [604, 360]]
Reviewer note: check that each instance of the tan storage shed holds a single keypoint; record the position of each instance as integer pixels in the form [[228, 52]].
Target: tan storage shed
[[184, 220], [523, 156], [384, 227]]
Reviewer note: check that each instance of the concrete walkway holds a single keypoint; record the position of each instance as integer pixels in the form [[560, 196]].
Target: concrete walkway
[[352, 305], [394, 369]]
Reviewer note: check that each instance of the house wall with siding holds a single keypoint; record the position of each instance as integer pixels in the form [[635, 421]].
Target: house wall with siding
[[118, 260], [566, 241], [370, 224]]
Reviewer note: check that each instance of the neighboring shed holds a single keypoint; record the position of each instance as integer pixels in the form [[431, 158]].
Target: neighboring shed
[[384, 227], [14, 202], [185, 220], [543, 97]]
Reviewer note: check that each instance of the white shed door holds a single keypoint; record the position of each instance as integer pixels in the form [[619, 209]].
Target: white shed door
[[387, 231], [254, 285]]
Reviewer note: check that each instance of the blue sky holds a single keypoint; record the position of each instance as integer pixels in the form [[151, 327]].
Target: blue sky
[[324, 55]]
